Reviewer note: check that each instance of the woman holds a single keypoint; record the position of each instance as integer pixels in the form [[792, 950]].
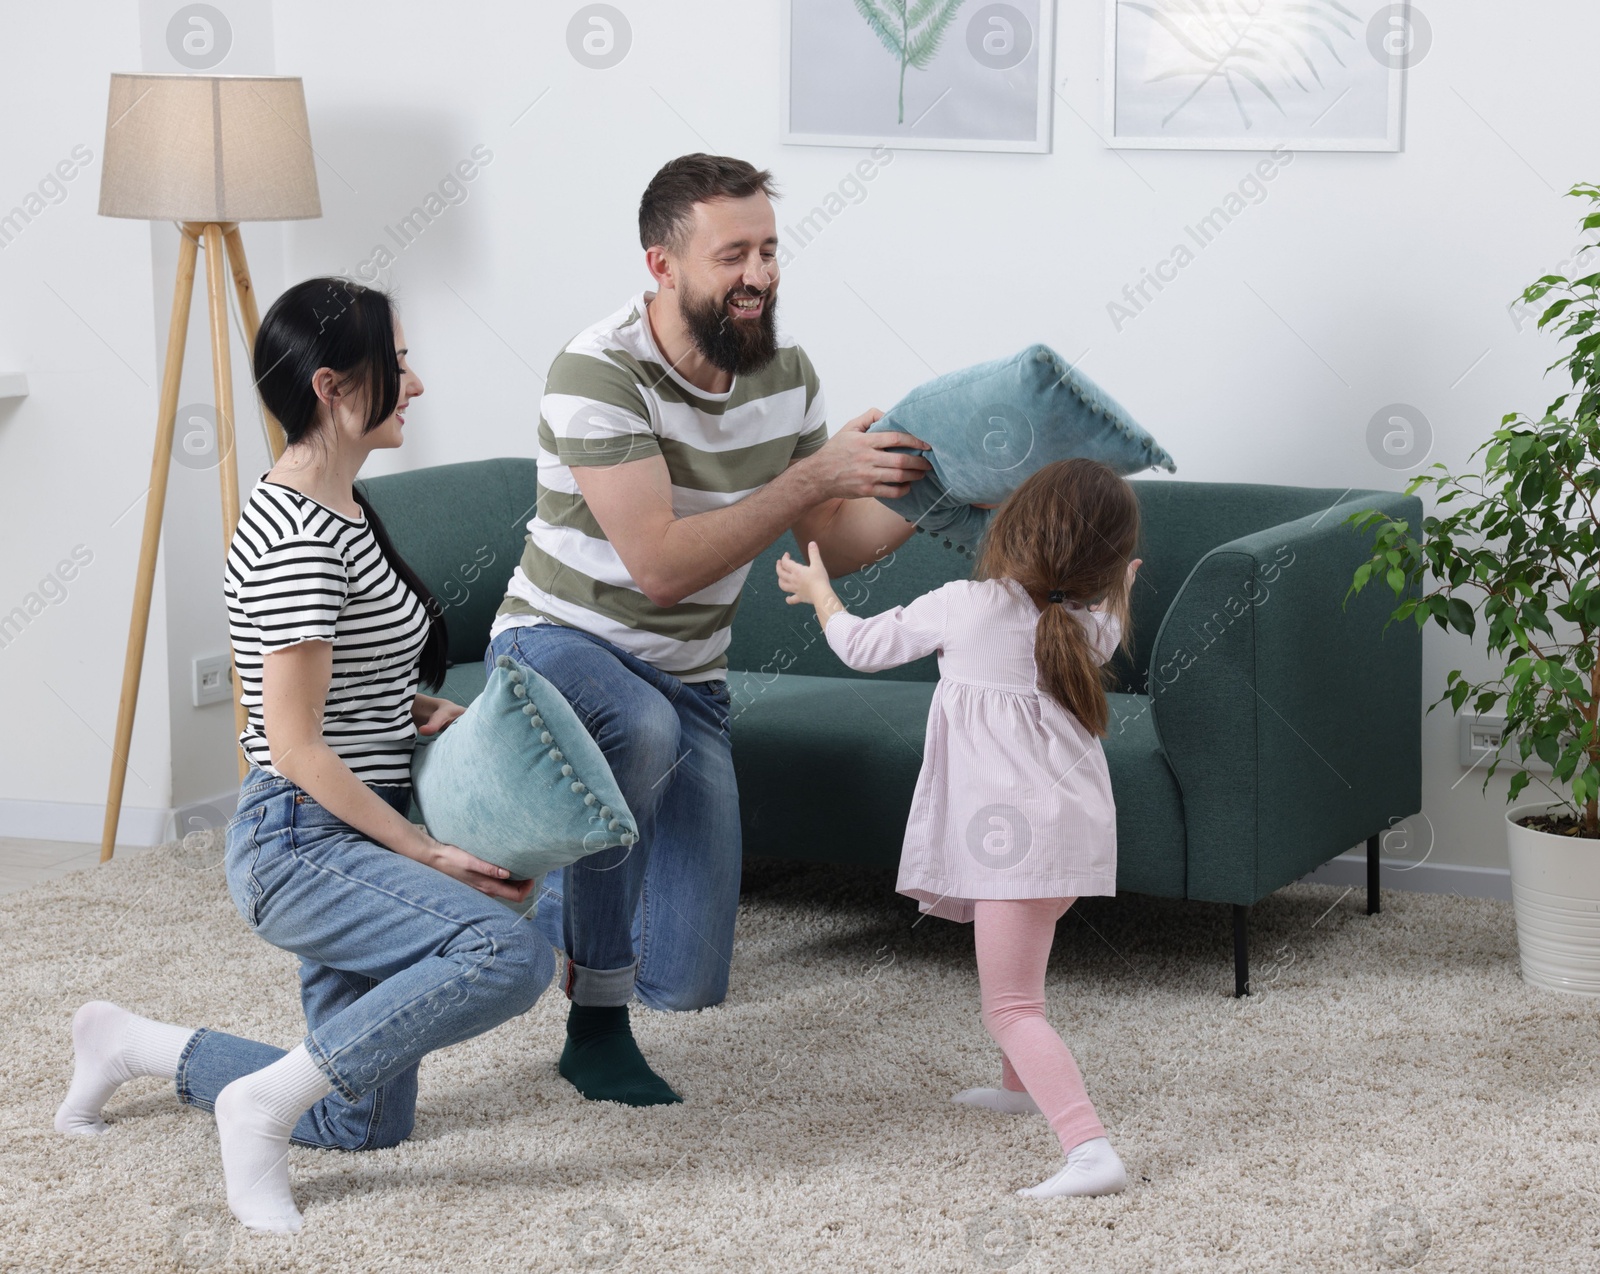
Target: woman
[[403, 947]]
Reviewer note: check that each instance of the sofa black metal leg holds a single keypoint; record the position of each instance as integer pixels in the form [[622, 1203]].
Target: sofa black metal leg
[[1241, 953], [1373, 903]]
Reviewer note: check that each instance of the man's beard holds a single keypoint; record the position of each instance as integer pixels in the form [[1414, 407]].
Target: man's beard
[[736, 346]]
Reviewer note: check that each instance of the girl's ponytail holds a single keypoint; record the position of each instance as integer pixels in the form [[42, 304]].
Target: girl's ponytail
[[1068, 533], [1069, 671]]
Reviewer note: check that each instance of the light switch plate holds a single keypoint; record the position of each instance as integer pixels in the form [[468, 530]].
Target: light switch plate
[[1480, 736], [213, 680]]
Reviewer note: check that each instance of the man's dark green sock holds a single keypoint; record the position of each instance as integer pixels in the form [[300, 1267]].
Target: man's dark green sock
[[603, 1063]]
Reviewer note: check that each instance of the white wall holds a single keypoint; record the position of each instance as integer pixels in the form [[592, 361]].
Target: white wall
[[1360, 280], [75, 315]]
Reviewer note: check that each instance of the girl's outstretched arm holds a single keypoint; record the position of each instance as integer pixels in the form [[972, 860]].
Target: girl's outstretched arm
[[1105, 623], [887, 640]]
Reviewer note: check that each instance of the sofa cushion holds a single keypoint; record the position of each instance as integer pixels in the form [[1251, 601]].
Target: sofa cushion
[[461, 527], [817, 756], [806, 748], [770, 636], [517, 780], [463, 682], [992, 425]]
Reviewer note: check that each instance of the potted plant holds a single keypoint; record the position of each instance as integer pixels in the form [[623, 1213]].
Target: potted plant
[[1519, 544]]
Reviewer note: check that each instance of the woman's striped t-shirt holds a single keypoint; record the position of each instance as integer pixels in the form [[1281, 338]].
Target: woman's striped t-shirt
[[297, 571], [612, 398]]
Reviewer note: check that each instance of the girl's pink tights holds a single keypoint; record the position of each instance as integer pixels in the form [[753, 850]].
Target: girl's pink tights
[[1013, 938]]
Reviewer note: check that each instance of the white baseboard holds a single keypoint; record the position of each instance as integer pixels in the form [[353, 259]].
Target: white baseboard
[[66, 821], [1418, 877], [84, 824], [211, 814]]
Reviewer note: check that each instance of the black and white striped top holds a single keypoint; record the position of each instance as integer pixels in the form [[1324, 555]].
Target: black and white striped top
[[297, 571]]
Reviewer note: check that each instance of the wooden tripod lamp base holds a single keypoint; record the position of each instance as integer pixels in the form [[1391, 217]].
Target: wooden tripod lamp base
[[207, 151], [222, 243]]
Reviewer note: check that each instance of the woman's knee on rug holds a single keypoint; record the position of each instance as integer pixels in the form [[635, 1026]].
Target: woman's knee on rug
[[379, 1120]]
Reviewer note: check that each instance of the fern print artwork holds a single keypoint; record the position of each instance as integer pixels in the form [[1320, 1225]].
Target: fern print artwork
[[910, 31], [1257, 71], [919, 74]]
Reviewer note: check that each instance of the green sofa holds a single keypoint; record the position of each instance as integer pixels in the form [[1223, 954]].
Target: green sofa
[[1261, 727]]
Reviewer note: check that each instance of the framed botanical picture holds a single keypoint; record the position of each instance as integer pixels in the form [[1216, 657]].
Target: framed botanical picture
[[1258, 74], [929, 74]]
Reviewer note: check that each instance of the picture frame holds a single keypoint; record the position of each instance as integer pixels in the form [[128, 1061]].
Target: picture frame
[[973, 75], [1318, 74]]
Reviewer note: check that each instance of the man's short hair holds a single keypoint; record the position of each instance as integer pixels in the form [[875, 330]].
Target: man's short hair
[[666, 209]]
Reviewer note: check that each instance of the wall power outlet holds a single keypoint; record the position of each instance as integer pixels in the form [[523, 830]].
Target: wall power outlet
[[1480, 736], [212, 680]]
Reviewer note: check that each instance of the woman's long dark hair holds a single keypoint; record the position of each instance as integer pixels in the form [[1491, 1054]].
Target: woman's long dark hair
[[341, 325], [1070, 529]]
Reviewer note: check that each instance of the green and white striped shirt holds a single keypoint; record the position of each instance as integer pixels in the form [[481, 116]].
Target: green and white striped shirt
[[611, 398]]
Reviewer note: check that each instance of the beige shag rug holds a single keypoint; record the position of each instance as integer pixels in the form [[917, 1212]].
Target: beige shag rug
[[1393, 1096]]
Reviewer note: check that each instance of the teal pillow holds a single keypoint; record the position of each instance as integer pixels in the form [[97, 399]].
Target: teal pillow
[[518, 781], [992, 425]]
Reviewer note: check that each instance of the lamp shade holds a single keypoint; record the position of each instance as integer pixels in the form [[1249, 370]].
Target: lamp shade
[[208, 148]]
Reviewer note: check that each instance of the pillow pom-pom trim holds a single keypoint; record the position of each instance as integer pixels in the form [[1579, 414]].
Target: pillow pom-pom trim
[[536, 721]]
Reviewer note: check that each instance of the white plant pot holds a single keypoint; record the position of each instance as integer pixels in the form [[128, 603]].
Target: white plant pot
[[1555, 890]]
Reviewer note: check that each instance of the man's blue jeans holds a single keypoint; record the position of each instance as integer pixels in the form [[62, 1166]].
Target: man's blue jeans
[[655, 918], [396, 960]]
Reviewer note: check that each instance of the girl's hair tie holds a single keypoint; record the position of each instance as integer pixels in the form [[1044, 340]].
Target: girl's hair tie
[[1056, 595]]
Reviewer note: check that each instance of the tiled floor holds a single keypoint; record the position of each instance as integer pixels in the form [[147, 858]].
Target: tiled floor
[[28, 862]]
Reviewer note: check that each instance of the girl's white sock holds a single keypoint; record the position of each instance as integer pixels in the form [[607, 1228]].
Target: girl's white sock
[[1001, 1099], [110, 1046], [255, 1115], [1093, 1167]]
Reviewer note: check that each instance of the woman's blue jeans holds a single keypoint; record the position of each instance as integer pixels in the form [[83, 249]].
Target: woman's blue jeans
[[656, 918], [396, 960]]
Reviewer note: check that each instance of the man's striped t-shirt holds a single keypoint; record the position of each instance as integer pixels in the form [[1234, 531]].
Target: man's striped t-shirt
[[612, 398], [297, 571]]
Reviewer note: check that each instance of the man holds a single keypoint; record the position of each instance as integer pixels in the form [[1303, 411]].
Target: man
[[678, 439]]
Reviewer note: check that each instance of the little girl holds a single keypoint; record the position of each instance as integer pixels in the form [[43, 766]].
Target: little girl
[[1012, 820]]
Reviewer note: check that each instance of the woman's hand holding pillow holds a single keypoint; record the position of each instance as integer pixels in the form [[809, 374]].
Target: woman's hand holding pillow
[[432, 715], [456, 863]]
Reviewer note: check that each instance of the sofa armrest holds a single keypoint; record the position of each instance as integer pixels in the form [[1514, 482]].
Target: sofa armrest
[[1292, 722]]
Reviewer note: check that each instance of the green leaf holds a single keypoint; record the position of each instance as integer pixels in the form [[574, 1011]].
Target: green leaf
[[925, 43], [884, 23]]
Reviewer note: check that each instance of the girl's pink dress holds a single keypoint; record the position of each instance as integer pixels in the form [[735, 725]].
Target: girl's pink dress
[[1014, 799]]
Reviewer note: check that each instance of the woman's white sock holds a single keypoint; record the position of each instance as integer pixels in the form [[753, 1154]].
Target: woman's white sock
[[1093, 1167], [1001, 1099], [255, 1115], [110, 1046]]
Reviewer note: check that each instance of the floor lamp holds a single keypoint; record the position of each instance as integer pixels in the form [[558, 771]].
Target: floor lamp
[[206, 151]]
